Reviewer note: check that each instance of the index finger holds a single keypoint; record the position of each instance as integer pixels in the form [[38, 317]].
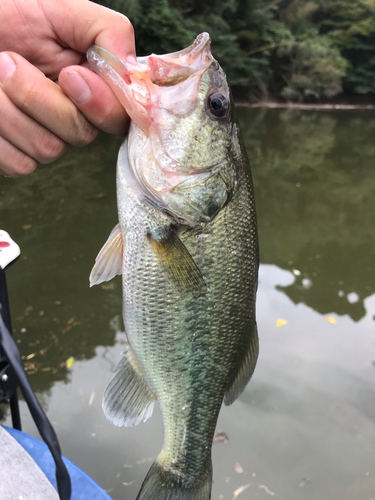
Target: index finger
[[80, 24]]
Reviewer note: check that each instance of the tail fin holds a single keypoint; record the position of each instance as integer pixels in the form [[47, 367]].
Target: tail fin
[[164, 485]]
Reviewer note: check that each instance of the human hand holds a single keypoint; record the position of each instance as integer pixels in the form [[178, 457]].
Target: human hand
[[49, 38]]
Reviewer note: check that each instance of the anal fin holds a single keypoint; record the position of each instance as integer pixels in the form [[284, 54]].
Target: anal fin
[[245, 370], [127, 399]]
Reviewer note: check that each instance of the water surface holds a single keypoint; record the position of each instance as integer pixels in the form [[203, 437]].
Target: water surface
[[305, 426]]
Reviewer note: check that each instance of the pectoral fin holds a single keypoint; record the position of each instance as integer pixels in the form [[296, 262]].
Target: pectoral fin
[[245, 370], [177, 261], [108, 263]]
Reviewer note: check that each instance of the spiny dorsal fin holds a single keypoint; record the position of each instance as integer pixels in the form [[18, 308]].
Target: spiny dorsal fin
[[177, 261], [108, 263], [245, 370]]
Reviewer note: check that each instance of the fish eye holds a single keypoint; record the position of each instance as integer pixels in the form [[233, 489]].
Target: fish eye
[[218, 104]]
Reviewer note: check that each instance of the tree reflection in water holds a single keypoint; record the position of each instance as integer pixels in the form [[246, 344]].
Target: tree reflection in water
[[315, 188]]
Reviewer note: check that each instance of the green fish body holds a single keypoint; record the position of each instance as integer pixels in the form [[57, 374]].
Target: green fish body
[[186, 246]]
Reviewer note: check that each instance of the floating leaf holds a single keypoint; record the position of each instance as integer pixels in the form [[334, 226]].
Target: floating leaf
[[266, 489], [221, 437], [70, 362], [240, 490], [331, 320], [238, 468], [281, 322]]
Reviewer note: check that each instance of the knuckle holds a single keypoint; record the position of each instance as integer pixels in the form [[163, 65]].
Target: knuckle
[[83, 133], [50, 148]]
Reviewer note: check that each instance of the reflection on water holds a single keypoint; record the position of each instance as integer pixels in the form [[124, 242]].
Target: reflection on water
[[315, 189], [305, 425]]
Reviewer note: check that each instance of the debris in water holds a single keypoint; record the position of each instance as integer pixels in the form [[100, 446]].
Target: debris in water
[[221, 437], [31, 367], [238, 468], [296, 272], [110, 286], [240, 490], [267, 490], [331, 320], [281, 322], [26, 227], [91, 400], [128, 484], [30, 356], [70, 362], [304, 481], [71, 324]]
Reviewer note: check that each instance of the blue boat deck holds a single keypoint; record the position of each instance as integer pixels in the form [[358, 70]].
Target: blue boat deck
[[27, 471]]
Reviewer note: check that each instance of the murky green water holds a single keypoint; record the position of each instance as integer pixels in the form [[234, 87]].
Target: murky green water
[[305, 426]]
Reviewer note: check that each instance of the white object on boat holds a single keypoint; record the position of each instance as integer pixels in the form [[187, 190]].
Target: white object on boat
[[9, 250]]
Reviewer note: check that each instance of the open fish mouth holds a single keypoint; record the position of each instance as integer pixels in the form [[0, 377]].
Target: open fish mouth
[[162, 70]]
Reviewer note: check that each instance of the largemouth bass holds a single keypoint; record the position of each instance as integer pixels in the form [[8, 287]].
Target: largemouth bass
[[186, 246]]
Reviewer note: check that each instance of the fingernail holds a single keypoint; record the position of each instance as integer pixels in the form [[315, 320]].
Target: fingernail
[[7, 67], [76, 87]]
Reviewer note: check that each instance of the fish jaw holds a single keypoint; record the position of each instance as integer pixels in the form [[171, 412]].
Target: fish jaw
[[155, 82]]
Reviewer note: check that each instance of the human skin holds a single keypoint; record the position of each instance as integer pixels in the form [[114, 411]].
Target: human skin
[[49, 99]]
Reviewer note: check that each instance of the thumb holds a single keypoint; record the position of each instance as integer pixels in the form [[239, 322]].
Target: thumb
[[94, 99]]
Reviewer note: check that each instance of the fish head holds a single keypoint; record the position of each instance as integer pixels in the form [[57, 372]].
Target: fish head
[[181, 134]]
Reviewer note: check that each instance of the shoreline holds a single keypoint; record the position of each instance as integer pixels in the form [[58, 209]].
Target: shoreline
[[303, 106]]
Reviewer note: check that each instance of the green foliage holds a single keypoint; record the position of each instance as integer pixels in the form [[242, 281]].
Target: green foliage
[[351, 27], [301, 49], [315, 70]]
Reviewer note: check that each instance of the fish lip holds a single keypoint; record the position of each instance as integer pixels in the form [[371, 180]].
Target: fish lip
[[97, 55], [196, 48]]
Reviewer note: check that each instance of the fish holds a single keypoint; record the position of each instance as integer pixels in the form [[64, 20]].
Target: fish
[[186, 246]]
